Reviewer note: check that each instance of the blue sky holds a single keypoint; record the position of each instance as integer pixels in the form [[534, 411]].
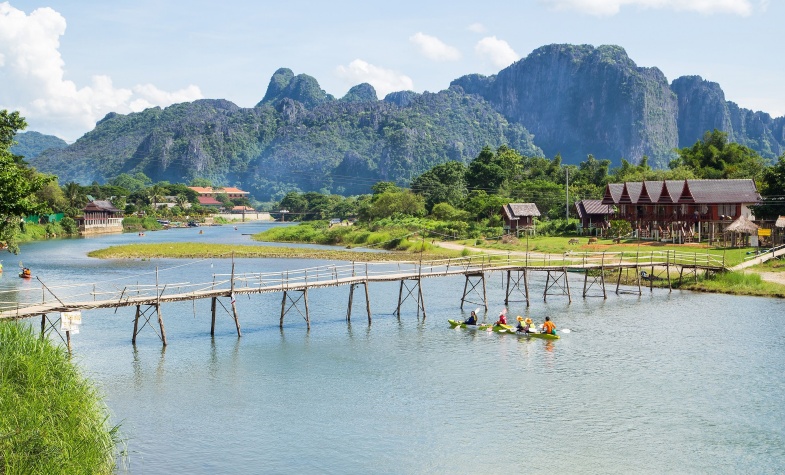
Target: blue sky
[[66, 64]]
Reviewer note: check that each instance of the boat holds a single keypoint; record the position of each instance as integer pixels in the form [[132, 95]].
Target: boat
[[461, 324], [544, 336], [26, 274], [482, 326]]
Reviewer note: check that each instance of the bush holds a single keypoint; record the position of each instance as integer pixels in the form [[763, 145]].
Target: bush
[[52, 420], [69, 226]]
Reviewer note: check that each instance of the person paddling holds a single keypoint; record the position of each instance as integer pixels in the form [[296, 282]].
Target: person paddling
[[549, 327], [502, 318], [472, 320]]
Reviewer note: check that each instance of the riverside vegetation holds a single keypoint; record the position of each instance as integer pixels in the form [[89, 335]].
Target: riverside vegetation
[[52, 420]]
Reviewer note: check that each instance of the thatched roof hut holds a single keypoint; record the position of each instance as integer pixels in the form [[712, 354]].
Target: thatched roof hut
[[742, 225]]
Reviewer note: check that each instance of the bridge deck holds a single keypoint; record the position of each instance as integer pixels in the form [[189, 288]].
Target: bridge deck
[[222, 285]]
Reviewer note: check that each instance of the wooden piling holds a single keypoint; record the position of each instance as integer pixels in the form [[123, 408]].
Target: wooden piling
[[351, 297], [283, 308], [307, 316], [234, 304], [136, 324], [161, 322], [212, 312], [367, 302]]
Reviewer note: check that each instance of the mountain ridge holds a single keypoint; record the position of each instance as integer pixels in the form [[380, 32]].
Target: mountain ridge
[[572, 100]]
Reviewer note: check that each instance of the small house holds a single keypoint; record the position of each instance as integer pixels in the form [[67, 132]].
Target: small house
[[100, 217], [519, 217], [593, 215]]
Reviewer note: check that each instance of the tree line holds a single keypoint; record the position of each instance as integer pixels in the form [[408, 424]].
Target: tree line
[[470, 195]]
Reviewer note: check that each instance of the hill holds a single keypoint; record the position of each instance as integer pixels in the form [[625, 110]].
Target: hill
[[572, 100], [31, 144]]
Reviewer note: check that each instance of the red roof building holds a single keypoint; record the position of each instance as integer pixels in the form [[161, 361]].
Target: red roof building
[[681, 210], [593, 215], [209, 201], [231, 191]]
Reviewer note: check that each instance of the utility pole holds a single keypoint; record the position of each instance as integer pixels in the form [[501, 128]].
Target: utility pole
[[567, 207]]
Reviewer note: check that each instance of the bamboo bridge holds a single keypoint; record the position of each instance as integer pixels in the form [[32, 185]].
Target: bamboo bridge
[[597, 268]]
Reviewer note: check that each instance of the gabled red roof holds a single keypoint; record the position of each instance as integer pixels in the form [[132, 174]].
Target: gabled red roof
[[686, 194], [209, 201], [644, 197], [612, 193], [625, 195]]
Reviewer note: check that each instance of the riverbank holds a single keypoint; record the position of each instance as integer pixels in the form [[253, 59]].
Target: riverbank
[[52, 420]]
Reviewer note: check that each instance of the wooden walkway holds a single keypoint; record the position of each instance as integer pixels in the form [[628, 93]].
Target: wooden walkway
[[43, 300]]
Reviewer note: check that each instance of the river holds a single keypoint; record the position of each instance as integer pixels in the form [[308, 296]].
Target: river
[[665, 382]]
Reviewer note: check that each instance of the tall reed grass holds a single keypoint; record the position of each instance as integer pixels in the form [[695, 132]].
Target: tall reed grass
[[52, 420]]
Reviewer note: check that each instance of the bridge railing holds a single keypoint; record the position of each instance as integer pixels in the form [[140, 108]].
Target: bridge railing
[[335, 274]]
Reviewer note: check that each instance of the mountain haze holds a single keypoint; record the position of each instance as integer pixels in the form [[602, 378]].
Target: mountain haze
[[572, 100]]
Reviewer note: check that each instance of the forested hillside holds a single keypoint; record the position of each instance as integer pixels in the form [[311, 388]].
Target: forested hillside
[[561, 100]]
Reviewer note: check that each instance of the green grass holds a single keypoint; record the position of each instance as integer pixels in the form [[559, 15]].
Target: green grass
[[737, 283], [208, 250], [561, 244], [52, 420]]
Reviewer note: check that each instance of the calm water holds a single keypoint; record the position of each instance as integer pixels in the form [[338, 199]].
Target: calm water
[[662, 383]]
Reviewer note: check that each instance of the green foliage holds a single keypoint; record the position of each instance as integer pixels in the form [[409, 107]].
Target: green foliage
[[396, 203], [773, 187], [19, 184], [444, 183], [714, 158], [52, 420], [620, 227]]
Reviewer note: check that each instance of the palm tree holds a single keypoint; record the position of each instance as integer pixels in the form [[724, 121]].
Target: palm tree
[[156, 195]]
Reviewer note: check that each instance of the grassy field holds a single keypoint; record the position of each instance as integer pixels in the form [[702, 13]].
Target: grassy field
[[203, 250], [559, 245], [52, 420]]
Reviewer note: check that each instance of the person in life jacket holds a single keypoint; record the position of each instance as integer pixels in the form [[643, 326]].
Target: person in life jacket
[[549, 327]]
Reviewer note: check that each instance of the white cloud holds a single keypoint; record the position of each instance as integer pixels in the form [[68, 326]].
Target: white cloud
[[383, 80], [33, 74], [434, 48], [476, 28], [612, 7], [497, 51]]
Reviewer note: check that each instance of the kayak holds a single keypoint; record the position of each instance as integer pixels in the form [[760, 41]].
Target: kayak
[[482, 326], [544, 336], [460, 324]]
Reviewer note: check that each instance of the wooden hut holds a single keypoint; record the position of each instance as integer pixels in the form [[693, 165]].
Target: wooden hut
[[519, 217], [594, 216]]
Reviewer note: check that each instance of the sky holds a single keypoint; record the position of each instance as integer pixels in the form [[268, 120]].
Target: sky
[[66, 64]]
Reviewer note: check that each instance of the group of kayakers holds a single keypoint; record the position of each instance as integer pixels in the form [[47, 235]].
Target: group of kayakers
[[524, 326]]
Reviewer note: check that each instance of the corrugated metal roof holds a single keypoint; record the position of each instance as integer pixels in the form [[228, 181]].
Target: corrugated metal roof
[[592, 207], [724, 191], [685, 191]]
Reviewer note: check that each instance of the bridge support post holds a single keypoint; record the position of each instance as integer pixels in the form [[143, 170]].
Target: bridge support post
[[136, 324], [367, 302], [409, 291], [600, 278], [212, 312], [161, 322], [43, 325], [481, 277], [558, 276], [516, 284], [284, 310]]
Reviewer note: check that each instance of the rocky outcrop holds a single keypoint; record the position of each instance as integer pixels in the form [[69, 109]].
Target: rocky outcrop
[[301, 88], [361, 93], [581, 100]]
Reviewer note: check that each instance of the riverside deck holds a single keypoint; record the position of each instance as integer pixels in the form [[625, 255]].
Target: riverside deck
[[595, 267]]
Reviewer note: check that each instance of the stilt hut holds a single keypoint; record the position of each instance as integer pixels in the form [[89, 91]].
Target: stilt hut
[[742, 232]]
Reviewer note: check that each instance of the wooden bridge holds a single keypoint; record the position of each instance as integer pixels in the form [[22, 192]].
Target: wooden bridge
[[294, 284]]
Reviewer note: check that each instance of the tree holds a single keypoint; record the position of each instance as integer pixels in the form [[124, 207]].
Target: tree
[[714, 157], [773, 191], [18, 183], [392, 203], [445, 183]]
